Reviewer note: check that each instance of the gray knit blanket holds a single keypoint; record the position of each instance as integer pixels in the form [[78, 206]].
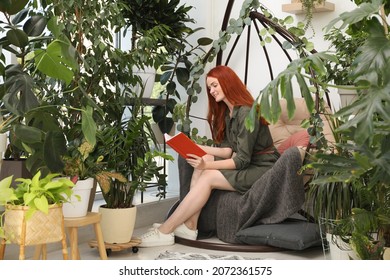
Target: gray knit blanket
[[274, 197]]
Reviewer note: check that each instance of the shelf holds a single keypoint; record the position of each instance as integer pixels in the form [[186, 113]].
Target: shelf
[[296, 8]]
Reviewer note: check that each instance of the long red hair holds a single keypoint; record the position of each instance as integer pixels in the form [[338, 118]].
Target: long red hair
[[235, 91]]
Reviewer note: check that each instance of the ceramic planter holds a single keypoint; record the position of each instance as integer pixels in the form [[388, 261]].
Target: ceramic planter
[[148, 76], [117, 224], [347, 96], [338, 249], [78, 208]]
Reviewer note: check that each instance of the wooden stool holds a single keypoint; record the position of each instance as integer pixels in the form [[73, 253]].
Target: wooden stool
[[72, 225]]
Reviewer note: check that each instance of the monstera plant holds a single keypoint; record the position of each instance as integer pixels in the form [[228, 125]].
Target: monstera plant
[[42, 55]]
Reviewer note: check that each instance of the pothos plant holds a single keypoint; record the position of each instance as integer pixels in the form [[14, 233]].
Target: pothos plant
[[38, 193]]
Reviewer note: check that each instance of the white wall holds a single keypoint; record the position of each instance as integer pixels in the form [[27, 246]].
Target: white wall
[[209, 14]]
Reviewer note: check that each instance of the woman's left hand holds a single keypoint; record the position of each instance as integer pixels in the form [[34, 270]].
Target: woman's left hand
[[196, 162]]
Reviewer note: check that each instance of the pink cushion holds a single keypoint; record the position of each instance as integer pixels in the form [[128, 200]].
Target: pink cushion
[[300, 138]]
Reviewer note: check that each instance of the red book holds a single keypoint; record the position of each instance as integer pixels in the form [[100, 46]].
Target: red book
[[183, 145]]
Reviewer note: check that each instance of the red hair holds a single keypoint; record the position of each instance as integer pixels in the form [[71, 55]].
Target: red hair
[[234, 90]]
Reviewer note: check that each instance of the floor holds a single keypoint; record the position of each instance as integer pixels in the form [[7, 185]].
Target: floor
[[144, 221]]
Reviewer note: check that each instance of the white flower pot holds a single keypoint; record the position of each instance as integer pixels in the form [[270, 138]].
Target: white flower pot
[[148, 76], [3, 146], [79, 207], [117, 224], [347, 96], [338, 249], [3, 142]]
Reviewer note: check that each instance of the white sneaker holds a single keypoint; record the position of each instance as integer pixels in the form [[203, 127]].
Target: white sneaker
[[155, 238], [182, 231]]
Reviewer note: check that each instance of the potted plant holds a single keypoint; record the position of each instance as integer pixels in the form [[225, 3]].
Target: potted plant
[[157, 29], [308, 7], [332, 200], [82, 166], [345, 44], [65, 106], [363, 162], [40, 57], [131, 157], [366, 163], [160, 34], [33, 210]]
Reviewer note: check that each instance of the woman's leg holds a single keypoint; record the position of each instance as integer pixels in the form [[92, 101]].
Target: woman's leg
[[192, 222], [196, 198]]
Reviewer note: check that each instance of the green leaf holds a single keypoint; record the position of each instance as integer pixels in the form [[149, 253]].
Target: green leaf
[[19, 97], [42, 204], [55, 62], [183, 75], [374, 57], [251, 118], [305, 93], [54, 149], [28, 134], [17, 38], [363, 11], [204, 41], [12, 6], [6, 192], [165, 77], [35, 25], [88, 125], [171, 87], [28, 198]]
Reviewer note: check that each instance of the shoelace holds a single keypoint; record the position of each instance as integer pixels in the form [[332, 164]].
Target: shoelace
[[149, 233]]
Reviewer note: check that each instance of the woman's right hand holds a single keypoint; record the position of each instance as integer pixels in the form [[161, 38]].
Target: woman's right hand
[[196, 161]]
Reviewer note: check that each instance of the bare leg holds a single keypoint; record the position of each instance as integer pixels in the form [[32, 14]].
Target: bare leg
[[195, 199], [192, 222]]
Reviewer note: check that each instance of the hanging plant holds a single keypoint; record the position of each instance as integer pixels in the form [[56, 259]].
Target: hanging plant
[[308, 8]]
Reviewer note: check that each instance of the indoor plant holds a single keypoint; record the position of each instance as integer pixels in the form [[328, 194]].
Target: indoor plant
[[161, 34], [40, 56], [65, 106], [177, 72], [366, 159], [157, 28], [345, 43], [130, 153], [36, 197], [308, 8], [82, 165], [365, 162]]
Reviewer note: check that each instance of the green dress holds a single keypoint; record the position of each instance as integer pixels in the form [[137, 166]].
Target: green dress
[[254, 151]]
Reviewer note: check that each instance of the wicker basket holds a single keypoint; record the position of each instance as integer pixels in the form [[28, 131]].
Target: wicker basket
[[39, 229]]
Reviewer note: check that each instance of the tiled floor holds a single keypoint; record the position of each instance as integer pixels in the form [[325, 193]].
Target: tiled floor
[[154, 211]]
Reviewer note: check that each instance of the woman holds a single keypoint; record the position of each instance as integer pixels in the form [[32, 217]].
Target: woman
[[238, 160]]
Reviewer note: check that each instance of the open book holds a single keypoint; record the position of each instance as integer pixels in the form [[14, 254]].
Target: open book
[[183, 145]]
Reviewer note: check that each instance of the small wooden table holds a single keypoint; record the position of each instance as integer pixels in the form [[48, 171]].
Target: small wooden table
[[72, 225]]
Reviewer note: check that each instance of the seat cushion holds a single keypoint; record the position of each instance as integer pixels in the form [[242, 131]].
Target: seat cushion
[[298, 139], [291, 234]]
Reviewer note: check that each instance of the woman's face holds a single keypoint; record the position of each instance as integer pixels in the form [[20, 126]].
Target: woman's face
[[215, 89]]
